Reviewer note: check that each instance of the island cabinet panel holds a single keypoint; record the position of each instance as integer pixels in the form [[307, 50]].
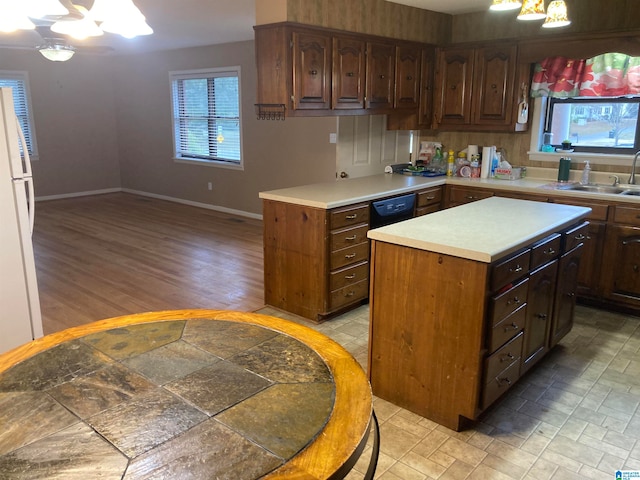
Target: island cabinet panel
[[316, 261]]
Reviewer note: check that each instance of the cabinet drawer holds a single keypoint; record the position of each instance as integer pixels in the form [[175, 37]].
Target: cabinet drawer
[[504, 331], [504, 357], [349, 275], [507, 302], [348, 237], [628, 215], [466, 195], [426, 210], [599, 211], [509, 270], [349, 294], [351, 215], [432, 196], [347, 256], [575, 236], [545, 250], [499, 384]]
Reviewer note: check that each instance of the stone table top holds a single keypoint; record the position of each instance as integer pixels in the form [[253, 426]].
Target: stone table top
[[181, 394]]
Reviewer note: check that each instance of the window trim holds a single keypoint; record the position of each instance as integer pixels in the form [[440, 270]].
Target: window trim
[[201, 73], [23, 76]]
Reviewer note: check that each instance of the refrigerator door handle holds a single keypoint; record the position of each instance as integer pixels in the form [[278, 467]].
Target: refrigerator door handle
[[28, 181], [25, 150], [28, 177]]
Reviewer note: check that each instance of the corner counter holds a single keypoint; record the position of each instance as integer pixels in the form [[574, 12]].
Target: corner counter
[[464, 301]]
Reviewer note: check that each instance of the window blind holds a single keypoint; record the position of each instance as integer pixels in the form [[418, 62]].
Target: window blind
[[206, 111], [18, 82]]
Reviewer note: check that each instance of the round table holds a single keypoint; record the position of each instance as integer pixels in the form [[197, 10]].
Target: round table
[[183, 394]]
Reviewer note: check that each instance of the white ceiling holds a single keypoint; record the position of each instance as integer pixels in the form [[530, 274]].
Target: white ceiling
[[188, 23]]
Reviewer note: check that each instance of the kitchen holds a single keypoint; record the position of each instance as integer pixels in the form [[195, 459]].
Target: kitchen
[[118, 98]]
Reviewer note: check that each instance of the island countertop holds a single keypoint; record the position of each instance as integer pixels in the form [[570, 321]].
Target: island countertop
[[485, 230]]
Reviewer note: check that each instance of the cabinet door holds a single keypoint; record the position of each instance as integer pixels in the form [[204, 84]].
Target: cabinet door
[[494, 79], [622, 247], [311, 71], [454, 82], [407, 76], [589, 273], [425, 111], [542, 285], [565, 300], [380, 75], [348, 73]]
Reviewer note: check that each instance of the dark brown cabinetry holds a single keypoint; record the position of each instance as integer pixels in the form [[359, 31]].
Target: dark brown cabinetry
[[428, 201], [407, 77], [311, 71], [457, 195], [427, 67], [380, 75], [454, 77], [348, 73]]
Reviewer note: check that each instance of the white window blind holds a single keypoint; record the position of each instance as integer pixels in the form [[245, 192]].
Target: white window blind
[[18, 81], [206, 115]]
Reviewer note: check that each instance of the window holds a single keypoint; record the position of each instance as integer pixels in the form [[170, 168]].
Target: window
[[206, 116], [19, 82], [597, 125]]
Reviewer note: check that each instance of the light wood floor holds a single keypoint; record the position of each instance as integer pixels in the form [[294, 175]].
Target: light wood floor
[[115, 254]]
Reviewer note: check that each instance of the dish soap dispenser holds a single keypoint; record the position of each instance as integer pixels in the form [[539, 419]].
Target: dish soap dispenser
[[586, 172]]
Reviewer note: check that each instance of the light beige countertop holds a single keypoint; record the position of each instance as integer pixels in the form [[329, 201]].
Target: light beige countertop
[[485, 230], [339, 193]]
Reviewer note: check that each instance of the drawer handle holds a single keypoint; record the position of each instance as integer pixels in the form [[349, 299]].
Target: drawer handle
[[470, 197], [350, 277], [505, 380], [518, 269], [431, 198], [580, 237], [514, 300], [513, 326], [541, 316], [350, 294], [353, 216], [550, 251], [509, 356], [351, 238], [350, 255]]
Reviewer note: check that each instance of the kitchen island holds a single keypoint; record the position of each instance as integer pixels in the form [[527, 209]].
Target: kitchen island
[[464, 300]]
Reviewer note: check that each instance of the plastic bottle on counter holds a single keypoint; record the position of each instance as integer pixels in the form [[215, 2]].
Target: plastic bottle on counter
[[451, 163], [586, 173], [475, 166]]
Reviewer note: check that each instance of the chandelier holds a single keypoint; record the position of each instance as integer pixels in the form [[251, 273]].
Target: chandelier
[[120, 17], [555, 16]]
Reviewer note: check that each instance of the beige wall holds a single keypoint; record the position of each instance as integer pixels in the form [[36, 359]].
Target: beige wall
[[75, 121]]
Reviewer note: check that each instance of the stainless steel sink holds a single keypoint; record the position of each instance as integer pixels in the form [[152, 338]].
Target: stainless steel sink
[[635, 192], [597, 188]]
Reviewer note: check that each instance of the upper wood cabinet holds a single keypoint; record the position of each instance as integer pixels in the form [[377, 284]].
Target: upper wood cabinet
[[311, 71], [408, 76], [381, 59], [348, 73], [479, 88]]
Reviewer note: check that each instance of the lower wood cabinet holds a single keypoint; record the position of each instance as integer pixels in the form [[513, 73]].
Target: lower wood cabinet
[[622, 256]]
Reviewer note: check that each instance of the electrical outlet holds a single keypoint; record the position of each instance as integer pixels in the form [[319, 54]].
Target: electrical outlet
[[333, 138], [210, 186]]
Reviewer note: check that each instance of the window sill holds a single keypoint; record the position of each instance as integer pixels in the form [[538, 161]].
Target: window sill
[[210, 163], [594, 158]]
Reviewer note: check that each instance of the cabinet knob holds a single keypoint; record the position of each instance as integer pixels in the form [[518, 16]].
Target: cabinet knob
[[580, 237], [350, 74], [513, 300], [503, 381], [507, 357], [517, 269], [453, 87], [409, 77], [541, 316], [513, 326], [382, 76], [635, 268], [494, 86], [313, 72], [550, 251]]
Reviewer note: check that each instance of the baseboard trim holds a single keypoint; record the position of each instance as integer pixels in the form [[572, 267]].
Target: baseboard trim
[[78, 194]]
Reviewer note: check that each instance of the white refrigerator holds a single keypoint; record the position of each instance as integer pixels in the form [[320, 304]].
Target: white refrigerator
[[20, 318]]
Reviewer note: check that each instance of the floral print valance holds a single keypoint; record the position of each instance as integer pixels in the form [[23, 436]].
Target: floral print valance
[[607, 75]]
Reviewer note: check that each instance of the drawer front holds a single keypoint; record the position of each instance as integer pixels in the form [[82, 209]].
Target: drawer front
[[575, 236], [627, 215], [426, 210], [349, 275], [507, 329], [429, 197], [348, 237], [510, 270], [350, 255], [498, 385], [545, 250], [349, 294], [505, 303], [466, 195], [503, 358], [598, 210], [352, 215]]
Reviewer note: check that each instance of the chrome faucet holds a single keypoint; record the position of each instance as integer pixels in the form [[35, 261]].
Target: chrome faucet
[[632, 177]]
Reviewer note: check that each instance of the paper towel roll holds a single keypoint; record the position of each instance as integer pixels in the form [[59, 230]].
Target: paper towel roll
[[472, 150], [487, 156]]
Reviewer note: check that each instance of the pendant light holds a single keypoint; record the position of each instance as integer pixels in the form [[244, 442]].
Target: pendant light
[[532, 10], [121, 17], [56, 52], [46, 8], [557, 15], [504, 5], [79, 29]]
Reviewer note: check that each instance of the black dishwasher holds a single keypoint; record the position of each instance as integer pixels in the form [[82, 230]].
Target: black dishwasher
[[392, 210]]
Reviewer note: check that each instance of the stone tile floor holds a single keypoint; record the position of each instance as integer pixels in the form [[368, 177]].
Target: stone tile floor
[[574, 416]]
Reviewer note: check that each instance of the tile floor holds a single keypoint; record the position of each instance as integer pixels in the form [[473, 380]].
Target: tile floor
[[574, 416]]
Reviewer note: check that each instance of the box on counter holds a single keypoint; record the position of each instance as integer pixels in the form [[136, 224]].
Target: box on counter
[[510, 173]]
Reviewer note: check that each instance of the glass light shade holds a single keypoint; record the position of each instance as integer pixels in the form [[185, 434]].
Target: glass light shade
[[57, 53], [13, 16], [503, 5], [46, 8], [79, 29], [532, 10], [129, 24], [557, 15]]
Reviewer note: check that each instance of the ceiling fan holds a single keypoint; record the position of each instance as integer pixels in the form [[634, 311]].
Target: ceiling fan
[[59, 34]]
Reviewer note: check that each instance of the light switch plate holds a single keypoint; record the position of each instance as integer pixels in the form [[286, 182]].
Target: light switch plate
[[333, 138]]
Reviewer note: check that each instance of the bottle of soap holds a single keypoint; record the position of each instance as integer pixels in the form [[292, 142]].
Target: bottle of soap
[[451, 163], [586, 172]]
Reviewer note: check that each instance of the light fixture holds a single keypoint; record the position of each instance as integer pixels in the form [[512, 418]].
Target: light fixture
[[56, 52], [45, 8], [503, 5], [13, 16], [556, 15], [532, 10], [79, 29], [121, 17]]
